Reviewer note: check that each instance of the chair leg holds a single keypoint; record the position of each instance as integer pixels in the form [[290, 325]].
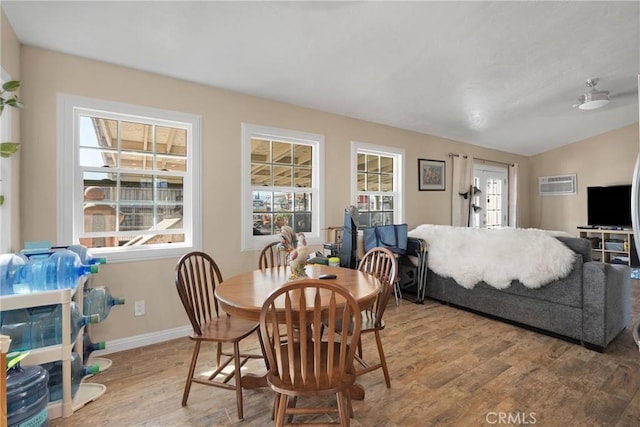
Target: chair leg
[[360, 347], [343, 410], [383, 360], [218, 354], [293, 400], [238, 378], [282, 409], [274, 408], [192, 369]]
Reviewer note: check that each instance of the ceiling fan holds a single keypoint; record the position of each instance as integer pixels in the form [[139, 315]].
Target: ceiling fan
[[593, 98]]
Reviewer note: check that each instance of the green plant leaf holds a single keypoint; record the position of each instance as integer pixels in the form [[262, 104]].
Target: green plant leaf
[[8, 149], [1, 200], [11, 86], [13, 359]]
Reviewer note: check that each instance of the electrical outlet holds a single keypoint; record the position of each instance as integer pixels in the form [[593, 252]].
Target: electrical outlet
[[138, 308]]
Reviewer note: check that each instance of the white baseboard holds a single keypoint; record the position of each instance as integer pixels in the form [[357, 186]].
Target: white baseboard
[[136, 341]]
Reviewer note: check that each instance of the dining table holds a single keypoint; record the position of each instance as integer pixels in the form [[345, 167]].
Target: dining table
[[244, 294]]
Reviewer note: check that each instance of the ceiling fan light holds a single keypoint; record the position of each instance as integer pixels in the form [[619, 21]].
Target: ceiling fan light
[[594, 100]]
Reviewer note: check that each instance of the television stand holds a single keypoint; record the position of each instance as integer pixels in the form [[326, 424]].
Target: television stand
[[608, 245]]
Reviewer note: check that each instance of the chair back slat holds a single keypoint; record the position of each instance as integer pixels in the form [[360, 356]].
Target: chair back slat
[[272, 255], [302, 360], [382, 263], [196, 278]]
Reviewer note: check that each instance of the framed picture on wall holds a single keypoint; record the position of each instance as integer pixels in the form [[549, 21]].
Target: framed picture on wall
[[431, 174]]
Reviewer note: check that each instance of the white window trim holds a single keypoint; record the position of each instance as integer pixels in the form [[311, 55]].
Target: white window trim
[[69, 169], [251, 242], [398, 155]]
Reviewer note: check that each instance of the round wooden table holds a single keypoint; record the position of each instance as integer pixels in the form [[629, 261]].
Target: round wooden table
[[243, 295]]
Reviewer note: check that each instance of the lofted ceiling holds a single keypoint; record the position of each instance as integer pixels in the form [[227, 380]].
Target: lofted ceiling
[[503, 75]]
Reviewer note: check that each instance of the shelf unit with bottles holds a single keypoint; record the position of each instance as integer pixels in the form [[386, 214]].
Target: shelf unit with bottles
[[611, 245], [87, 392]]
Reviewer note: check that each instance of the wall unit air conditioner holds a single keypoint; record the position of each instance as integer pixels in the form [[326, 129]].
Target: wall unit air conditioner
[[557, 185]]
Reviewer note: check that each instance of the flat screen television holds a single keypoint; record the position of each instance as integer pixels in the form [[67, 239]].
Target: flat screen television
[[609, 206]]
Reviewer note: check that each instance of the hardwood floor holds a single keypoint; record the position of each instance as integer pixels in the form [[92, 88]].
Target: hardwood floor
[[448, 367]]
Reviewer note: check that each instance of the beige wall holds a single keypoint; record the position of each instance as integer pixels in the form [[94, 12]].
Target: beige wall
[[10, 62], [45, 73], [605, 159]]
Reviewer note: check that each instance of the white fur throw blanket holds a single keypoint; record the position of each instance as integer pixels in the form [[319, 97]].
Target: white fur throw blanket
[[495, 256]]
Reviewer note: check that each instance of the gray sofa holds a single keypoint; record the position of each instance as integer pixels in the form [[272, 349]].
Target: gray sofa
[[592, 305]]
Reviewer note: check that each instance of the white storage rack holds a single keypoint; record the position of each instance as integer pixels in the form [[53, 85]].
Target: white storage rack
[[87, 392]]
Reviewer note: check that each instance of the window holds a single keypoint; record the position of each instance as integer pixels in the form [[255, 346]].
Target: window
[[130, 179], [282, 184], [378, 182]]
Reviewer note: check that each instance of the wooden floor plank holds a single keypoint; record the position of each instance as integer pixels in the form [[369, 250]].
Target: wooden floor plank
[[449, 367]]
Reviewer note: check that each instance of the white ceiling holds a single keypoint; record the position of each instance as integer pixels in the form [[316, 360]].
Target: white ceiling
[[502, 75]]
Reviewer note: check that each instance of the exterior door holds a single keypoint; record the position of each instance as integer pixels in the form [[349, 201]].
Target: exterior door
[[489, 208]]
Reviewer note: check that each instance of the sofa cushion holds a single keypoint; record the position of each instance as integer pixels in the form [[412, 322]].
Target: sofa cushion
[[565, 291], [578, 245]]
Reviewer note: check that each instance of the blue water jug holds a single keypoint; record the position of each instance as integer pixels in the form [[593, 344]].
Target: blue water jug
[[46, 324], [54, 270], [17, 325], [10, 264], [27, 396], [89, 347], [78, 372], [99, 301], [38, 327], [86, 257]]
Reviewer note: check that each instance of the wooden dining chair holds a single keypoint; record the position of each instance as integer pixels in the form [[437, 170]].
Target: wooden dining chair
[[196, 278], [301, 363], [383, 264], [272, 256]]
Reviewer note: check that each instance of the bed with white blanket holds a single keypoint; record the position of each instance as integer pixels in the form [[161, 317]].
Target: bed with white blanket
[[535, 278]]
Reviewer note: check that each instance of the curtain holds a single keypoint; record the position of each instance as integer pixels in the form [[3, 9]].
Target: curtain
[[461, 184], [513, 195]]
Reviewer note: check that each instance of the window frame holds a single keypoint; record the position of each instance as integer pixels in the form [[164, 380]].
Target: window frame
[[70, 186], [316, 142], [398, 155]]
